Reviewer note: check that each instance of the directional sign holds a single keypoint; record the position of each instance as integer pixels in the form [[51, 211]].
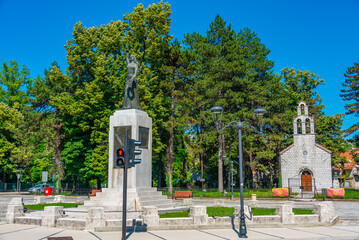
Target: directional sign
[[45, 174]]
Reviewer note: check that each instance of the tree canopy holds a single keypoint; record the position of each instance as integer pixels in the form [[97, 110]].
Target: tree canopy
[[63, 116]]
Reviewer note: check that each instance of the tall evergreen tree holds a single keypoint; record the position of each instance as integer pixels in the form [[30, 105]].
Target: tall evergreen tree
[[350, 94]]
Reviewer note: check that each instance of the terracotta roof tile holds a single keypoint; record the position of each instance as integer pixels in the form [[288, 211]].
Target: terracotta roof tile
[[350, 161]]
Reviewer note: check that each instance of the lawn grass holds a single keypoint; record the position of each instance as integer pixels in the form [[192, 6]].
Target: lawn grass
[[263, 211], [220, 211], [42, 206], [228, 211], [261, 193], [349, 194], [301, 211]]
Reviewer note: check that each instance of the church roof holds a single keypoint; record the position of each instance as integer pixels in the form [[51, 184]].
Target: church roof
[[281, 152], [318, 145], [321, 146]]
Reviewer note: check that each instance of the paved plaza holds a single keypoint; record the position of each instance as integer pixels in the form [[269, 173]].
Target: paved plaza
[[28, 232], [346, 227]]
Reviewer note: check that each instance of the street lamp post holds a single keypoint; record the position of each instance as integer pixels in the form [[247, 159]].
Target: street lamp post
[[217, 117], [232, 198]]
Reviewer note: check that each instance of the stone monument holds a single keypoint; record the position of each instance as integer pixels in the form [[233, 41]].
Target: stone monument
[[139, 178], [305, 165]]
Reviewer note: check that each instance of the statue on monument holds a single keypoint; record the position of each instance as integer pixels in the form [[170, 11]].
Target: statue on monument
[[131, 99]]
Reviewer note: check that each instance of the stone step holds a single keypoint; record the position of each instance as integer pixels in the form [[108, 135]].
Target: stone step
[[130, 194], [149, 198], [120, 190], [165, 206], [156, 202]]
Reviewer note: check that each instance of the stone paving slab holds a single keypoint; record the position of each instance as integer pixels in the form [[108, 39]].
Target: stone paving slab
[[29, 232], [233, 234], [283, 233], [329, 232]]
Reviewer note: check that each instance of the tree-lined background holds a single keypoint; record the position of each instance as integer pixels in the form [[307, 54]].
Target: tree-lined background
[[64, 114]]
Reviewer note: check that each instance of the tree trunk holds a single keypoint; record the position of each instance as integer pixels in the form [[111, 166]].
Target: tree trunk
[[99, 183], [253, 171], [221, 153], [203, 155], [169, 155]]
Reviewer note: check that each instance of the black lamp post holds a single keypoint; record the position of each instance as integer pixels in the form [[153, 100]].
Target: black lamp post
[[217, 117]]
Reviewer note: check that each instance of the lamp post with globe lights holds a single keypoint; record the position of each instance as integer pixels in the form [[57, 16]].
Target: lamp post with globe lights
[[217, 117]]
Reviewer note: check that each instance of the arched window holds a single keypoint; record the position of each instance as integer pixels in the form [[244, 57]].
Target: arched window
[[307, 125], [299, 126], [302, 109]]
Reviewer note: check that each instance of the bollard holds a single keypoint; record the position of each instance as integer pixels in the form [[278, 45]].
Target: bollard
[[14, 209], [199, 215], [150, 216], [51, 214], [285, 211], [95, 218], [247, 212], [254, 197]]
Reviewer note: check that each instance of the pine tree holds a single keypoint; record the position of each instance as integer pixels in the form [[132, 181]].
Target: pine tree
[[350, 94]]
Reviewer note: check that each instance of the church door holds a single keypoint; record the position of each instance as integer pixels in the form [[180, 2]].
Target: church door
[[307, 181]]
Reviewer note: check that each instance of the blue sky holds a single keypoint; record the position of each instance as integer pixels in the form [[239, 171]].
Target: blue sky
[[319, 36]]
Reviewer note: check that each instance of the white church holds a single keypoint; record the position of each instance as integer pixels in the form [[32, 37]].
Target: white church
[[305, 165]]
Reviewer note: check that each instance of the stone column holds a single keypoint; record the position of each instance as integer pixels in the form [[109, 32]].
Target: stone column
[[95, 218], [285, 211], [199, 215], [322, 210], [14, 209], [150, 216], [247, 210], [331, 211], [50, 215], [325, 210]]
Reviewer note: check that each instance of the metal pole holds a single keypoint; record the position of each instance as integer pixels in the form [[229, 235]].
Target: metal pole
[[242, 224], [124, 193], [232, 198], [20, 181]]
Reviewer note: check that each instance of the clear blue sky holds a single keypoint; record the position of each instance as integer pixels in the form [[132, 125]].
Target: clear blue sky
[[320, 36]]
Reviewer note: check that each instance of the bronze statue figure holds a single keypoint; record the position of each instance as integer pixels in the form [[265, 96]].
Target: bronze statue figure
[[131, 99]]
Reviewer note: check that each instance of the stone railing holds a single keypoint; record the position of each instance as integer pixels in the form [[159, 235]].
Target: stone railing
[[95, 218], [323, 215]]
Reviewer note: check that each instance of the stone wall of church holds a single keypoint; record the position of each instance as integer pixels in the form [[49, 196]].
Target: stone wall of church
[[306, 155]]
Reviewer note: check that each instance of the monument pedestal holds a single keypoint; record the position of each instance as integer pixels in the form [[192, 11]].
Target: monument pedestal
[[139, 126], [139, 181]]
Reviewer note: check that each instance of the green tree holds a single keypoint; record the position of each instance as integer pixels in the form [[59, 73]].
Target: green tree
[[233, 73], [350, 94], [10, 118], [14, 83]]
